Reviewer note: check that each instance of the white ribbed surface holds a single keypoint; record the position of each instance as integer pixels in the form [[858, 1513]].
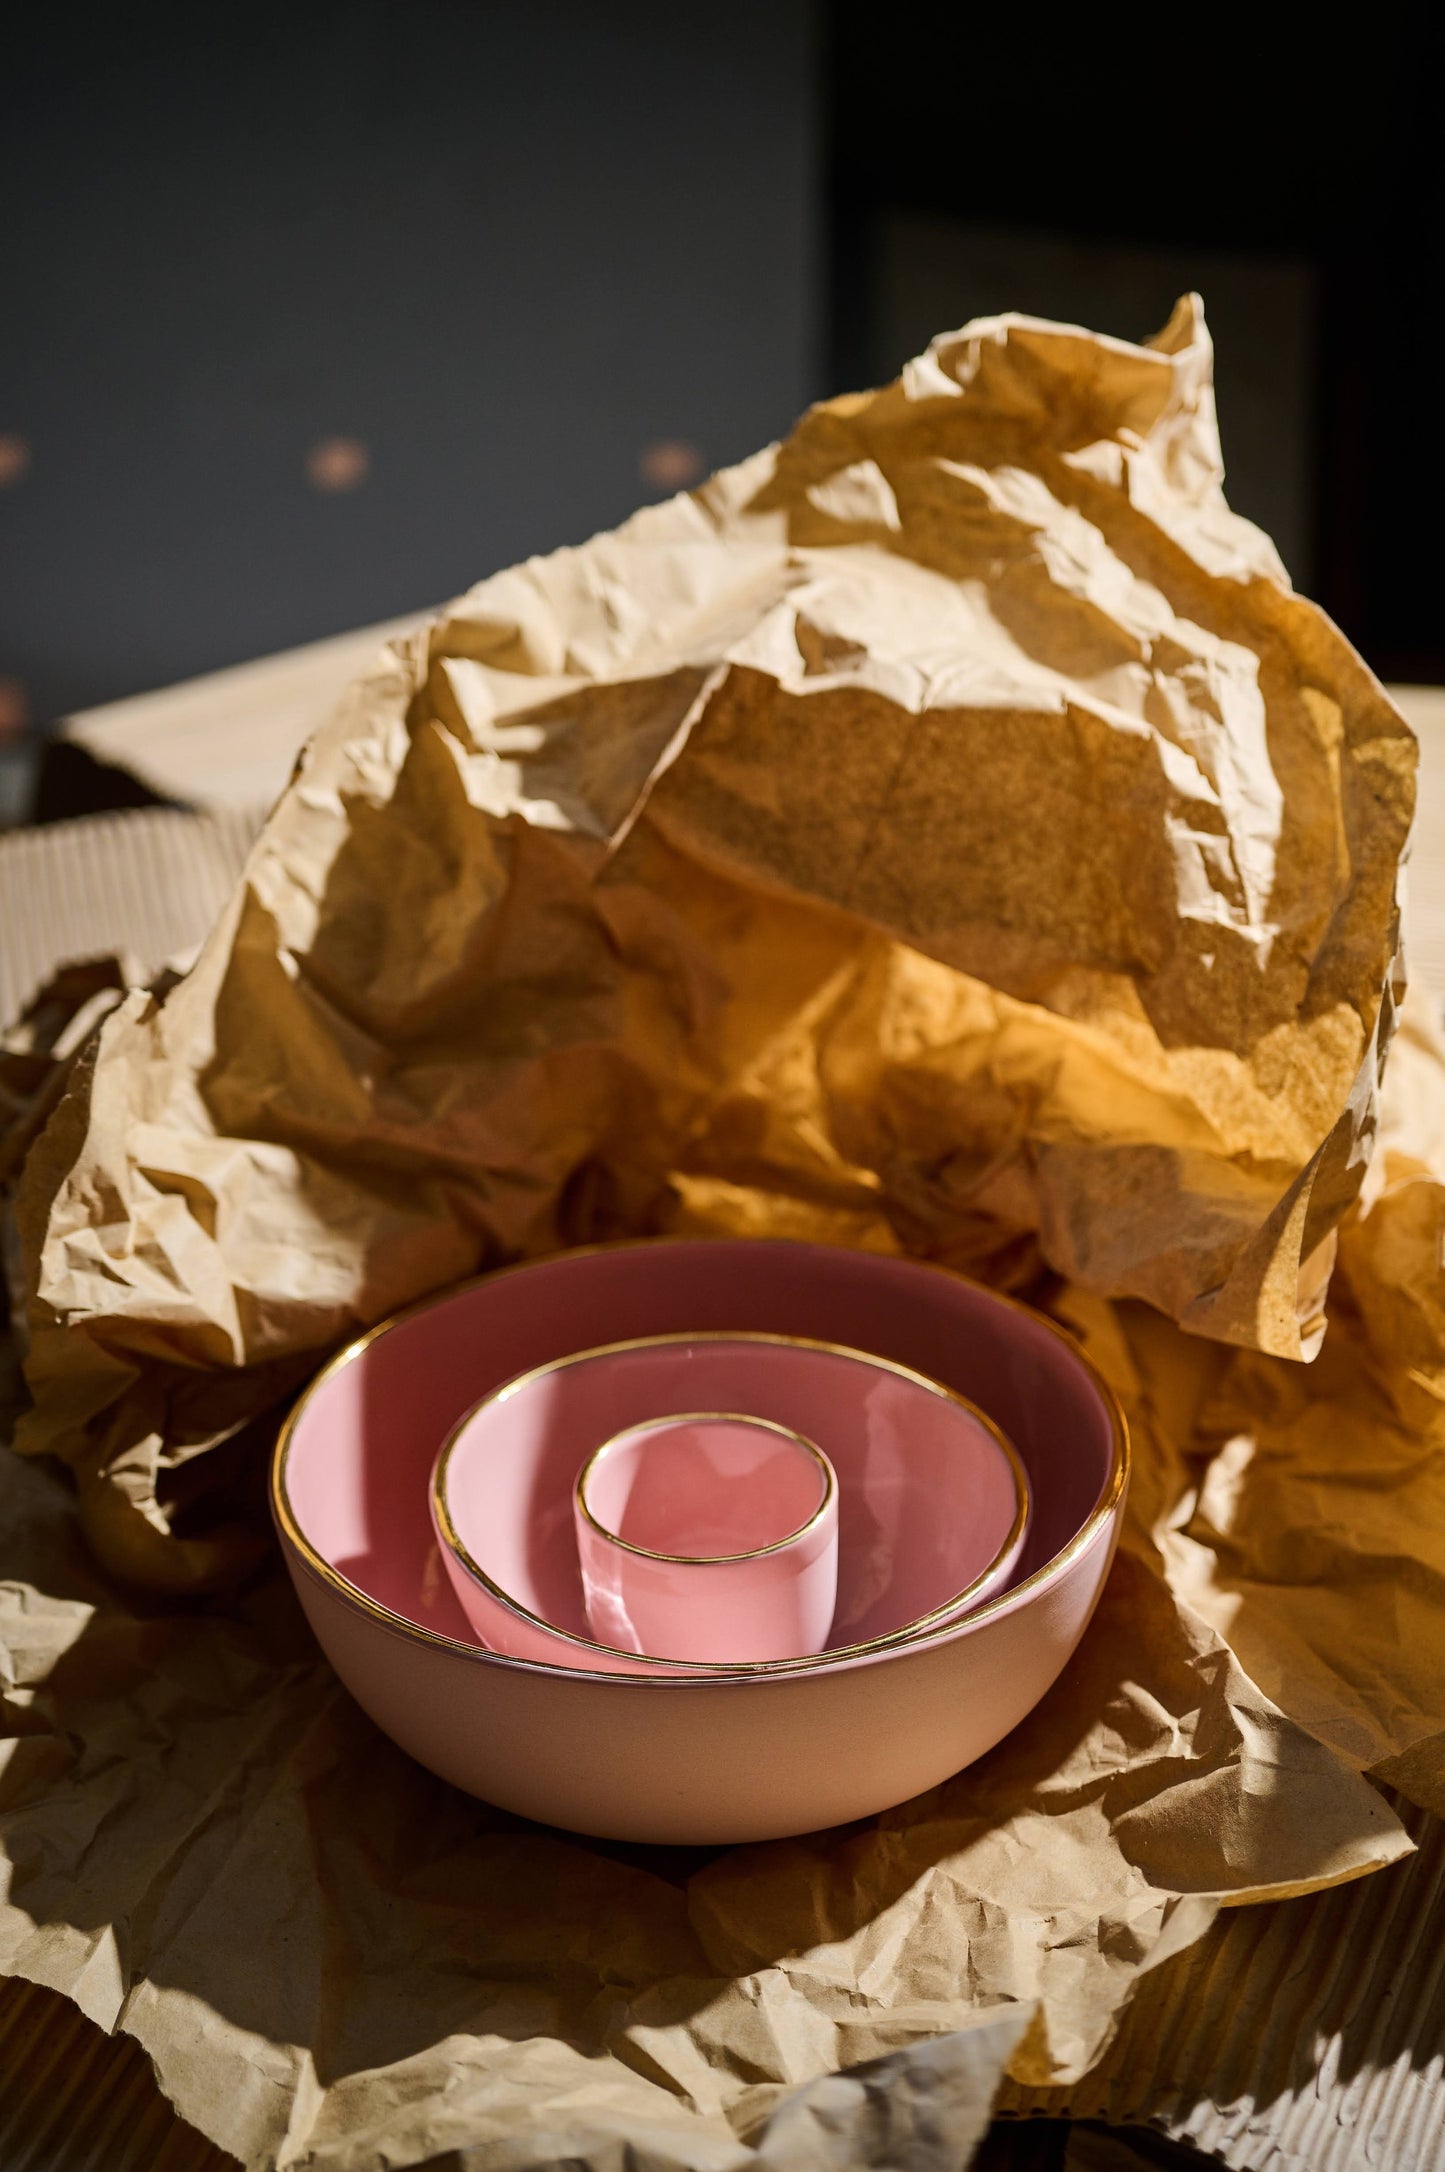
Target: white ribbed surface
[[1425, 929], [1304, 2037], [148, 883]]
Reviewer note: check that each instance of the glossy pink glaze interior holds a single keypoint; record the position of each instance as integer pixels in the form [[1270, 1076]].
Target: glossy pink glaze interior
[[703, 1486], [362, 1451], [926, 1495], [709, 1539]]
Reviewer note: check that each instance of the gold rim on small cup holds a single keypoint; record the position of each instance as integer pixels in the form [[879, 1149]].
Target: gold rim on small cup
[[937, 1617], [414, 1632], [706, 1417]]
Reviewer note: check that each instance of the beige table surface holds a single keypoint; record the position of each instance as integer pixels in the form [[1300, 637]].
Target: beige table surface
[[229, 739]]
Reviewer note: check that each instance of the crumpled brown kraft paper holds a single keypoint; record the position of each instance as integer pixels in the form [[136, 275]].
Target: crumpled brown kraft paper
[[1300, 1510], [1311, 1531], [945, 830], [336, 1961], [516, 962]]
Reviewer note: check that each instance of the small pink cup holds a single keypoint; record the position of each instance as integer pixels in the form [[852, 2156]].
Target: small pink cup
[[708, 1536]]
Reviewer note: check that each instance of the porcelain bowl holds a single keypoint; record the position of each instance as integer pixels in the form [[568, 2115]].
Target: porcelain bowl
[[708, 1535], [680, 1757], [932, 1499]]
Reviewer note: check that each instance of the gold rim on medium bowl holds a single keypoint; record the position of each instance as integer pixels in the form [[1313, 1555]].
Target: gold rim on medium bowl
[[936, 1617]]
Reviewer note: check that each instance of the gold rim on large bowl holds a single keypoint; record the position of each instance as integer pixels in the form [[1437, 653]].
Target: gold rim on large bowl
[[400, 1625]]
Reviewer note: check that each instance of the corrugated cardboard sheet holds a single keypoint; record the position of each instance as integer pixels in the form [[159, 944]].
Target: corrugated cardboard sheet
[[1308, 2037], [147, 883]]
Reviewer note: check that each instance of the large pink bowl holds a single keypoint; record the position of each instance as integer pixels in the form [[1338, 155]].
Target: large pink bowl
[[932, 1499], [681, 1757]]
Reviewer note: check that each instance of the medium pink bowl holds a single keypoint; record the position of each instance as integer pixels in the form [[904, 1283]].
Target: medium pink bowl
[[681, 1757], [933, 1500]]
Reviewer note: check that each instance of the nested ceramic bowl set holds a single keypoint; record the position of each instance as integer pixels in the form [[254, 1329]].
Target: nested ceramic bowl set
[[702, 1541]]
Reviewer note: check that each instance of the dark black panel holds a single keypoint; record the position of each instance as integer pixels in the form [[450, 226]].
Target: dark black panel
[[1244, 132]]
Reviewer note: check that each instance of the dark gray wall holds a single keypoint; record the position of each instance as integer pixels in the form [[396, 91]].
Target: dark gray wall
[[504, 246]]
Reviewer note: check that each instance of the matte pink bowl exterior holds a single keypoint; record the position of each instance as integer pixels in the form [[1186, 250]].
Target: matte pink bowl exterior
[[928, 1501], [682, 1758]]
